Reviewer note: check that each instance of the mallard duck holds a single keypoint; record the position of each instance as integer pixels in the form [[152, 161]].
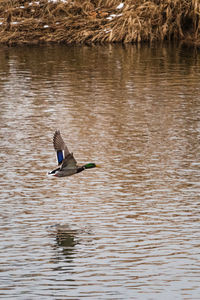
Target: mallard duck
[[66, 160]]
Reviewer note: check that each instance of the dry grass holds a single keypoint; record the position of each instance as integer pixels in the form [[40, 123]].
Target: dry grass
[[78, 21]]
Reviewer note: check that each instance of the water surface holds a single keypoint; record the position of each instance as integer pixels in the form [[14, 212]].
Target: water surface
[[127, 230]]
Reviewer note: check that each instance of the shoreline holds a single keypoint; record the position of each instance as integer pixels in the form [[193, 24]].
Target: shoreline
[[90, 22]]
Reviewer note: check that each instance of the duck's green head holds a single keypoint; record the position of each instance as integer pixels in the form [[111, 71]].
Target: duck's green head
[[90, 166]]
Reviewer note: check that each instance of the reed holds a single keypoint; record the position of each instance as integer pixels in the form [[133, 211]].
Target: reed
[[98, 21]]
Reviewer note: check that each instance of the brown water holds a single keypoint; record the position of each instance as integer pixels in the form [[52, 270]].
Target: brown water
[[127, 230]]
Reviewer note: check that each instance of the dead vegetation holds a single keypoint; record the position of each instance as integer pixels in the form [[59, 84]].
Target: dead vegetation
[[97, 21]]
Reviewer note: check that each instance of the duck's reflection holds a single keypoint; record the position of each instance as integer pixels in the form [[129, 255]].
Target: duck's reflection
[[66, 252], [66, 240]]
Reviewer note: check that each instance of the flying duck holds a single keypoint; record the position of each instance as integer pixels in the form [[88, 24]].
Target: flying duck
[[66, 161]]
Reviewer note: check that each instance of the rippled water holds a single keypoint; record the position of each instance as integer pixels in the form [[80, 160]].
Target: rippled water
[[127, 230]]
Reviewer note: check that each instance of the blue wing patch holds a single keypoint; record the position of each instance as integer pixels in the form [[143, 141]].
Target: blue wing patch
[[59, 156]]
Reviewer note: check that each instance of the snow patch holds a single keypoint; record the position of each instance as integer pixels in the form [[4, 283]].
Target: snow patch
[[120, 6], [54, 1], [111, 17]]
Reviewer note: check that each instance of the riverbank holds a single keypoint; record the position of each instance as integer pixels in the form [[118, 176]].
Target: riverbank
[[130, 21]]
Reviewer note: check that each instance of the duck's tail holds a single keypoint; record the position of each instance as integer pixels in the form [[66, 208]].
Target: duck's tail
[[53, 173]]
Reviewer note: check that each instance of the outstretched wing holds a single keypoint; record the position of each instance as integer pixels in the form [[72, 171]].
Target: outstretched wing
[[60, 147], [69, 163]]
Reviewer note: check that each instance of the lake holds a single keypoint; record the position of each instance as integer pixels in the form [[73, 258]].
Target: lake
[[129, 229]]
